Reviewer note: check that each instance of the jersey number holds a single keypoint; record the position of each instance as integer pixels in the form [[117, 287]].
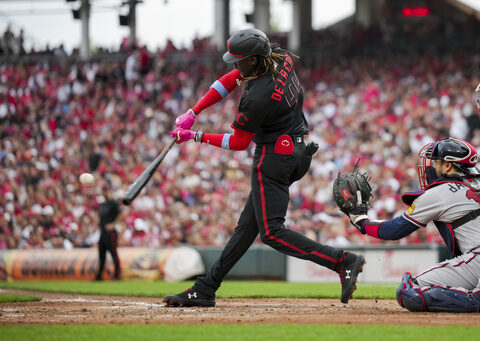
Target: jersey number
[[293, 90], [471, 194]]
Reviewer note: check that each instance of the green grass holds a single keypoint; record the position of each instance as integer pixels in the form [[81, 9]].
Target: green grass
[[229, 289], [9, 298], [277, 332]]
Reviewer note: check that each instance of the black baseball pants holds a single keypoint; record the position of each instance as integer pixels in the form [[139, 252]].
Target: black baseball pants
[[264, 213], [108, 242]]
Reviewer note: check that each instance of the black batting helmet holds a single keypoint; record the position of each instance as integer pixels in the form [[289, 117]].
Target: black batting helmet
[[246, 43], [460, 153]]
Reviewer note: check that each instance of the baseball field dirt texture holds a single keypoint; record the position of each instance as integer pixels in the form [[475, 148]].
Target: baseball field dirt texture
[[70, 309]]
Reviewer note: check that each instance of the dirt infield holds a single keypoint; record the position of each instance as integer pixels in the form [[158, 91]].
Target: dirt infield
[[87, 309]]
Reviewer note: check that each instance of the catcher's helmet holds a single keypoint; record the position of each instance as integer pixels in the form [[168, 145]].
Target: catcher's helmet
[[246, 43], [462, 154]]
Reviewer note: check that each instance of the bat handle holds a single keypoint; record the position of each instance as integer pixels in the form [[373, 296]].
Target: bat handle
[[170, 145]]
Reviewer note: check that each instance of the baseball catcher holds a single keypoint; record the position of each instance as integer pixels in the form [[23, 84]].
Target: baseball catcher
[[450, 198]]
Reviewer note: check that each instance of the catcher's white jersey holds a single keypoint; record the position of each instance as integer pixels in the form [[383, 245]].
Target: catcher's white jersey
[[443, 204], [446, 203]]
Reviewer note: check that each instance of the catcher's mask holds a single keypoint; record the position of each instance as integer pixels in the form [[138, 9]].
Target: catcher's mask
[[462, 155]]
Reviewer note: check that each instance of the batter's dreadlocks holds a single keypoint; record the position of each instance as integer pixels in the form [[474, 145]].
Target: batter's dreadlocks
[[269, 64]]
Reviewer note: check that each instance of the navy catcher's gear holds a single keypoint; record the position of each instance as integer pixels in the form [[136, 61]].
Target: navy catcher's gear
[[247, 43], [407, 296], [462, 154], [436, 298], [441, 299]]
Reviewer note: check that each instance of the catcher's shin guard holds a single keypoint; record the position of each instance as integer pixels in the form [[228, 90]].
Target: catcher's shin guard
[[409, 297], [441, 299], [437, 298]]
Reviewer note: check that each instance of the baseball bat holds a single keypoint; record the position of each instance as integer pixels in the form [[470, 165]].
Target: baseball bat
[[142, 180]]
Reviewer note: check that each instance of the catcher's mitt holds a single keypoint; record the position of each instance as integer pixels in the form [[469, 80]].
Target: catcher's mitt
[[352, 192]]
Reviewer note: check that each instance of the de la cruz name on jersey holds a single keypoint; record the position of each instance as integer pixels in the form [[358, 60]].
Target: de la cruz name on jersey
[[272, 106], [293, 88]]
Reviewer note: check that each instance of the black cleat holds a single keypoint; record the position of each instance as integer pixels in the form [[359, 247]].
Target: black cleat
[[348, 271], [189, 298]]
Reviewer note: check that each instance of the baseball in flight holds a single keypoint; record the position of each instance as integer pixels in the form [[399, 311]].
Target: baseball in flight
[[86, 179]]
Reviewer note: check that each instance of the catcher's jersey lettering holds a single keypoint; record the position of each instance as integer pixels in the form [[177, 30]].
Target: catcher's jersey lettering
[[471, 194], [454, 187]]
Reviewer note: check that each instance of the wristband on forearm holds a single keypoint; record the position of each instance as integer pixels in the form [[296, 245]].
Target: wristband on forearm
[[219, 90], [198, 136]]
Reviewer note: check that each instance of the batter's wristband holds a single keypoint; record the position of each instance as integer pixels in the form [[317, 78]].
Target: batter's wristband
[[198, 136]]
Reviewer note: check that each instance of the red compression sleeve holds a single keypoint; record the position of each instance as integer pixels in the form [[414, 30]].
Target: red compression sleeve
[[218, 90], [238, 141]]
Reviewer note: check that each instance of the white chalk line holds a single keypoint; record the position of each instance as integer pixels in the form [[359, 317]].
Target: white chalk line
[[198, 312], [118, 304], [162, 305]]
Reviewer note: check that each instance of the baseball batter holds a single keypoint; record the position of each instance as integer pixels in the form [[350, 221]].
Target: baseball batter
[[449, 196], [269, 113]]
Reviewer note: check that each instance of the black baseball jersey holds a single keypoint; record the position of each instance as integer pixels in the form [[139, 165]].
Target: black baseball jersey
[[271, 107], [108, 212]]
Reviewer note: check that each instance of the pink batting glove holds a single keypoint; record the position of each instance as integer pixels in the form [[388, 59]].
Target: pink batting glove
[[186, 121], [183, 135]]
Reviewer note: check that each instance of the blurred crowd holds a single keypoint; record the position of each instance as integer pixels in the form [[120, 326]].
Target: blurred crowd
[[111, 117]]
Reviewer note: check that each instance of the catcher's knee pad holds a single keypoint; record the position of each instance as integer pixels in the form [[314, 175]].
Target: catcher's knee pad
[[441, 299], [437, 298], [409, 297]]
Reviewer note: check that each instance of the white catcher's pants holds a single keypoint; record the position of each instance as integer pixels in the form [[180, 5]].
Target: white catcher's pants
[[459, 272]]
